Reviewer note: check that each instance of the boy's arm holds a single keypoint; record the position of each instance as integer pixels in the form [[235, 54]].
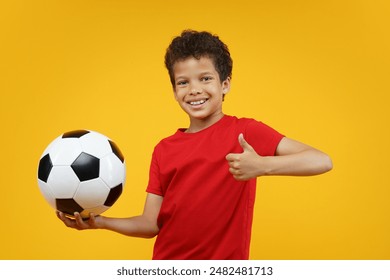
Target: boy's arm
[[144, 225], [292, 158], [296, 158]]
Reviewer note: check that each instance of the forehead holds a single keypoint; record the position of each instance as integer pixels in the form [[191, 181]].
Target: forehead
[[191, 65]]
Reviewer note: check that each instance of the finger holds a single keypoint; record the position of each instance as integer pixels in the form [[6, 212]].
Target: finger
[[232, 157], [61, 216], [244, 145], [68, 222], [235, 171], [239, 178], [58, 214], [79, 220], [92, 220]]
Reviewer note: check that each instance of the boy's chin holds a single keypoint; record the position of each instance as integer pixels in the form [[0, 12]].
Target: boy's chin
[[205, 116]]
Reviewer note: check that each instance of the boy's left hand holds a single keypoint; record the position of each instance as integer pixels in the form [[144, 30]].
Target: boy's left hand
[[246, 165]]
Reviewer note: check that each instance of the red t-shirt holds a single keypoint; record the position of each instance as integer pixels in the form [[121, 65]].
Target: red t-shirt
[[206, 213]]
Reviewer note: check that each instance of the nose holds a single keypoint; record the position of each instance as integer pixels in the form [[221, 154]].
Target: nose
[[195, 89]]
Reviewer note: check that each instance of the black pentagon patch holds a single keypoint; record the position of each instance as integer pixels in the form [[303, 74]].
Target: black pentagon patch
[[68, 206], [44, 168], [86, 167], [116, 151], [75, 133], [114, 194]]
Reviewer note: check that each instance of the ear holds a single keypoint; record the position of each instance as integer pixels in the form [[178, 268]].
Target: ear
[[226, 86]]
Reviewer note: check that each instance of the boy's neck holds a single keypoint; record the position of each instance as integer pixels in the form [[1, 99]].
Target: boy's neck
[[197, 125]]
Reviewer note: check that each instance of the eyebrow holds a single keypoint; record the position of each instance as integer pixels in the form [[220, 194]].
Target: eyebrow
[[180, 77], [200, 74]]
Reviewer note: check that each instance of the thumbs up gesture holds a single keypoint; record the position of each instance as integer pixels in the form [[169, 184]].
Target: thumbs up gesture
[[245, 165]]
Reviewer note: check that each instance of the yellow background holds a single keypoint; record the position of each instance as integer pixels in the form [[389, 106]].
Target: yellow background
[[317, 71]]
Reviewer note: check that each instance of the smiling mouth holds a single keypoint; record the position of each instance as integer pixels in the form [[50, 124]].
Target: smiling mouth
[[197, 102]]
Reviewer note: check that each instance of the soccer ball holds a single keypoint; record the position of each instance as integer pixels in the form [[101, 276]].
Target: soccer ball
[[81, 171]]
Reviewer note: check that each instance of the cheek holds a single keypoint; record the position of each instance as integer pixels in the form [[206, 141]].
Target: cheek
[[179, 98], [176, 94]]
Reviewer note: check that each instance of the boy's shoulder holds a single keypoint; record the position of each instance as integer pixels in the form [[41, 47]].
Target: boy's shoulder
[[225, 123]]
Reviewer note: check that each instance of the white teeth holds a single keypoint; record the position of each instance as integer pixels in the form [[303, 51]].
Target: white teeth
[[199, 102]]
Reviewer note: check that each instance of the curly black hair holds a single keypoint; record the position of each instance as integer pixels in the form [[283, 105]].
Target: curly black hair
[[199, 44]]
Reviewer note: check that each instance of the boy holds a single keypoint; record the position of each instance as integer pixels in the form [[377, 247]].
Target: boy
[[202, 179]]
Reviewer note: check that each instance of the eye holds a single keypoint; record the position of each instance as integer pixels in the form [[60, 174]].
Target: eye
[[181, 82], [207, 78]]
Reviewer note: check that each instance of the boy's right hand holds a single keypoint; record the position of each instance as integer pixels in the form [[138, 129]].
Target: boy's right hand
[[78, 222]]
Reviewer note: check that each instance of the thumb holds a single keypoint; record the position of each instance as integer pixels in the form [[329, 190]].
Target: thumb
[[244, 145]]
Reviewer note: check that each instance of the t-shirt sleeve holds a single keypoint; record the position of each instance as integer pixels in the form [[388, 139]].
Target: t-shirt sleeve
[[263, 138], [154, 185]]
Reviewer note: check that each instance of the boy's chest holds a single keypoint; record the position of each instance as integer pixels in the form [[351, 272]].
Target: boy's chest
[[190, 163]]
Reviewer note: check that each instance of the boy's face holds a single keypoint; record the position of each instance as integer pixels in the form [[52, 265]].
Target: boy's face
[[198, 88]]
